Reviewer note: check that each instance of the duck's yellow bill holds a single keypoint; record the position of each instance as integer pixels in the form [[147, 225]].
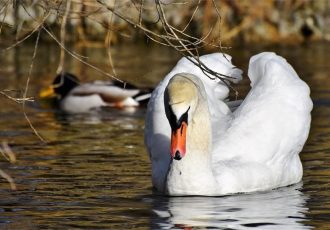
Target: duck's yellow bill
[[47, 92]]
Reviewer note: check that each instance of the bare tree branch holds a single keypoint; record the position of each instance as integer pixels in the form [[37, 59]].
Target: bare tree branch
[[184, 43]]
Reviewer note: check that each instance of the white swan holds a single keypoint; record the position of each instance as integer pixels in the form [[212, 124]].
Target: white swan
[[198, 146]]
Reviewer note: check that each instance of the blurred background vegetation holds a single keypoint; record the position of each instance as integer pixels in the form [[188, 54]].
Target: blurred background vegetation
[[214, 22]]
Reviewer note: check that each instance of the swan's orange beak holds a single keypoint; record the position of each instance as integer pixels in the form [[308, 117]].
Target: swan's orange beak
[[178, 141]]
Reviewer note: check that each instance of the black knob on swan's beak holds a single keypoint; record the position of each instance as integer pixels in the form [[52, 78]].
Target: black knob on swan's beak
[[177, 155]]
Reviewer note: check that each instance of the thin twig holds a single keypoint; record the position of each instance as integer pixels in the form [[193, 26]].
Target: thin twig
[[219, 23], [7, 152], [108, 44], [4, 15], [25, 37], [192, 17], [9, 179], [11, 157], [63, 25], [15, 99], [78, 58], [27, 87], [141, 12], [47, 13]]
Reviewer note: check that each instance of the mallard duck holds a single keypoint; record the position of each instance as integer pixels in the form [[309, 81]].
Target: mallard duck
[[199, 145], [73, 97]]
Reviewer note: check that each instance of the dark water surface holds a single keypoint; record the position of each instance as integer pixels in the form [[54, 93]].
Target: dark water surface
[[94, 172]]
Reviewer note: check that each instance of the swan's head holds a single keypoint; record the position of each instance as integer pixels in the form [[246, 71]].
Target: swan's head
[[181, 97]]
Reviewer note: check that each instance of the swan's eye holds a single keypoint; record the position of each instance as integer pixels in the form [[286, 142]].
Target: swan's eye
[[176, 123]]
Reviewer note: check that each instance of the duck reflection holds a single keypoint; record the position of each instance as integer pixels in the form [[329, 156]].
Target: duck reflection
[[99, 116], [283, 208]]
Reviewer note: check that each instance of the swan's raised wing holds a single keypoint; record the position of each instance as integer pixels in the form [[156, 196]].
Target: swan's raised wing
[[272, 123]]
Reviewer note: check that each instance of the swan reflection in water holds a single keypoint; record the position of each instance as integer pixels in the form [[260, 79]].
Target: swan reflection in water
[[283, 208]]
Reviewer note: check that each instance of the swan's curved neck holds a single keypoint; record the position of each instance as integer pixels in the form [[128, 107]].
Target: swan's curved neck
[[194, 171]]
